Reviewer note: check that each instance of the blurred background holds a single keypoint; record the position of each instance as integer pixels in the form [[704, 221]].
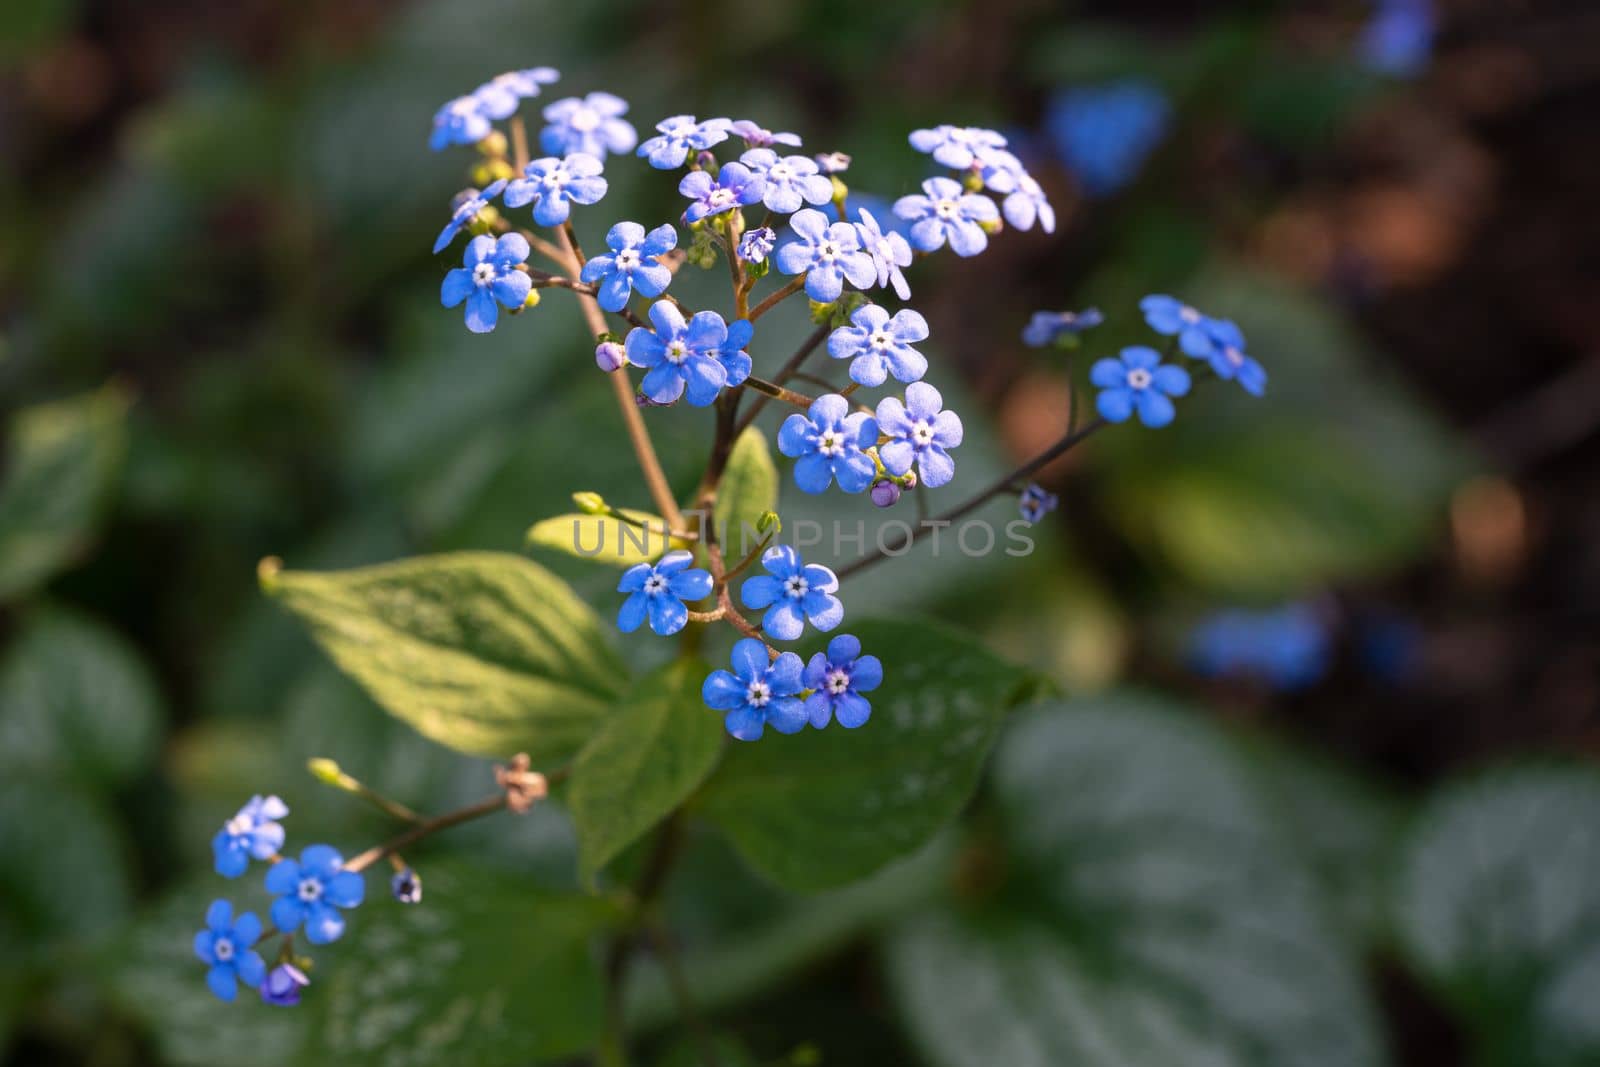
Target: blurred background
[[220, 340]]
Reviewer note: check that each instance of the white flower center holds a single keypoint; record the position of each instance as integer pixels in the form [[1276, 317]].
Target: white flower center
[[1139, 378], [222, 948], [830, 443], [921, 434], [838, 681], [881, 340], [780, 172], [827, 251], [309, 890], [585, 119], [1189, 315], [720, 197], [483, 274], [796, 586], [757, 694], [677, 352], [627, 259], [945, 209], [654, 584], [240, 825]]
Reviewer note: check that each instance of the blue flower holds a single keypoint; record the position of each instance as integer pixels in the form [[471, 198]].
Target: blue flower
[[889, 251], [832, 162], [465, 208], [758, 136], [758, 691], [499, 97], [1228, 359], [631, 264], [281, 988], [1171, 317], [757, 244], [1288, 647], [699, 356], [829, 443], [1138, 382], [311, 891], [253, 833], [1105, 133], [1399, 38], [839, 677], [1046, 326], [552, 185], [793, 592], [947, 213], [956, 147], [921, 432], [679, 136], [461, 121], [1035, 503], [490, 275], [591, 124], [826, 255], [1025, 202], [406, 886], [880, 345], [227, 945], [791, 181], [658, 591], [734, 186]]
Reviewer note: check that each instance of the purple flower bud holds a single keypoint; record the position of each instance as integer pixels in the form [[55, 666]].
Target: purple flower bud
[[885, 493], [707, 160], [282, 985], [406, 886], [610, 356]]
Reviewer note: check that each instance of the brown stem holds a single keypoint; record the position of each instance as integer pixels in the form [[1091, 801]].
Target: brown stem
[[777, 298], [778, 392], [519, 143], [785, 372], [486, 806]]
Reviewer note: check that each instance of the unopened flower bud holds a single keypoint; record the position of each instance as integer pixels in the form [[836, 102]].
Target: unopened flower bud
[[326, 771], [494, 145], [406, 885], [610, 356], [885, 493], [705, 160], [909, 479], [282, 985], [590, 503]]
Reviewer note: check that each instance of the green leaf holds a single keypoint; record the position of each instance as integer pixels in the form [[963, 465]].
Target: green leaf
[[749, 488], [1155, 914], [484, 971], [64, 458], [825, 807], [75, 698], [605, 539], [1497, 903], [648, 757], [487, 653]]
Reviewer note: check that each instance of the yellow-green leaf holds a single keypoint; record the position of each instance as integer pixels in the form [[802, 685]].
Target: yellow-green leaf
[[605, 539]]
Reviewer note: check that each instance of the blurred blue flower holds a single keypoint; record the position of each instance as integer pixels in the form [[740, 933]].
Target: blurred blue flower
[[758, 136], [552, 185], [956, 147], [253, 833], [490, 275], [698, 356], [826, 254], [464, 209], [879, 345], [734, 186], [947, 213], [920, 431], [1045, 327], [591, 124], [1138, 381], [227, 946], [793, 592], [1398, 40], [658, 591], [281, 988], [791, 182], [758, 691], [1025, 202], [838, 678], [461, 121], [1228, 359], [311, 891], [829, 442], [630, 264], [680, 135], [1287, 647], [499, 96], [1171, 317], [406, 886], [1105, 133], [832, 162]]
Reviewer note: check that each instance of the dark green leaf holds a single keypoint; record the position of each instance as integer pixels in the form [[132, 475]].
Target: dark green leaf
[[825, 807], [487, 653]]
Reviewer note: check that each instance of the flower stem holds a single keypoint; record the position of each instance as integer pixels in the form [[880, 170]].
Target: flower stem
[[486, 806], [785, 372], [778, 392], [774, 299]]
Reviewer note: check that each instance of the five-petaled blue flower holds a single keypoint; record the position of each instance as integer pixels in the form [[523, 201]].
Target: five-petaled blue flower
[[889, 251], [956, 147], [253, 833], [282, 986], [590, 124], [920, 432], [793, 592], [465, 208], [791, 181], [1025, 202], [734, 186], [490, 275], [829, 443], [553, 185], [880, 345], [839, 677], [827, 255], [227, 945], [1138, 382], [1171, 317], [1035, 502], [658, 591], [1228, 358], [698, 356], [500, 95], [947, 213], [631, 264], [679, 136], [311, 892], [757, 244], [461, 121], [1046, 326], [758, 690], [758, 136]]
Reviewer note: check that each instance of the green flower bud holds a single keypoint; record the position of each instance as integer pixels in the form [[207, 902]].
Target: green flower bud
[[591, 503]]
